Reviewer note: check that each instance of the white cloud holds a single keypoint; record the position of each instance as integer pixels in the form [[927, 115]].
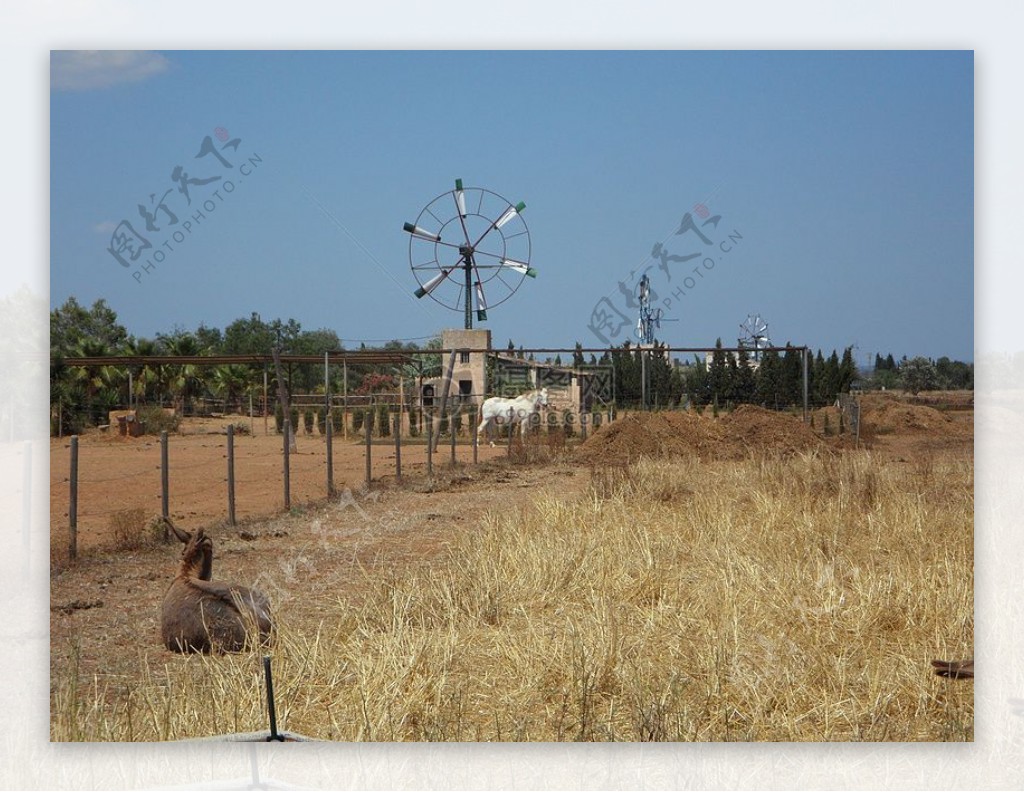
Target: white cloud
[[86, 70]]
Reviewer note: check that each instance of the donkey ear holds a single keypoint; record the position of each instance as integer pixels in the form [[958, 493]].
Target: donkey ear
[[181, 533]]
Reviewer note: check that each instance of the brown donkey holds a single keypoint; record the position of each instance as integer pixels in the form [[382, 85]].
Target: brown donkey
[[201, 616]]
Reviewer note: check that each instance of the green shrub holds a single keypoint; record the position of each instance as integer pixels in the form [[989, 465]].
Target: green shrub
[[278, 418], [308, 417], [357, 420], [338, 420], [383, 421], [156, 420], [321, 420], [293, 419]]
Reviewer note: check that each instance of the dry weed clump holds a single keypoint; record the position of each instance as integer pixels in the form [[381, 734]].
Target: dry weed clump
[[780, 598], [131, 529]]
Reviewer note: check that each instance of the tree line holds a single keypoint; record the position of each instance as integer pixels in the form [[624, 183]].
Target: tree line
[[82, 396]]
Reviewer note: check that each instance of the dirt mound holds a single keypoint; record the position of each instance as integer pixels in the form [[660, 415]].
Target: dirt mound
[[751, 429], [746, 430], [901, 418], [650, 434]]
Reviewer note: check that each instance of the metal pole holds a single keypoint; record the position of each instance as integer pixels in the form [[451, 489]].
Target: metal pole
[[129, 389], [165, 486], [643, 379], [274, 736], [398, 445], [469, 291], [430, 444], [252, 422], [804, 357], [231, 474], [344, 399], [476, 439], [266, 428], [452, 430], [368, 430], [287, 462], [73, 505], [329, 426]]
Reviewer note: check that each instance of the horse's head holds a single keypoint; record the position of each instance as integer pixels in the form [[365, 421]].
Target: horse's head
[[542, 398]]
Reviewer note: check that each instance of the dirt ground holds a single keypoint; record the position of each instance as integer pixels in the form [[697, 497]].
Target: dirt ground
[[117, 474], [105, 607]]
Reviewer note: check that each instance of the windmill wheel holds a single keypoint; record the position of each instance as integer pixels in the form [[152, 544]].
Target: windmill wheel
[[469, 243]]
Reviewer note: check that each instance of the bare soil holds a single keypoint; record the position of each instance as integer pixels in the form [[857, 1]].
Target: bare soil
[[117, 474]]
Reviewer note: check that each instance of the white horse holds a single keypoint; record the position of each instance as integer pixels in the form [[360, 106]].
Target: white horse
[[518, 410]]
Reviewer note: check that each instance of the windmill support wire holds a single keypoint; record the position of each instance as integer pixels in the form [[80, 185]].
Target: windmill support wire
[[445, 389]]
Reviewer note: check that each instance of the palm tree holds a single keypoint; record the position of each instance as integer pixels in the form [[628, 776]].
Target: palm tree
[[99, 384], [186, 381], [145, 378], [231, 381]]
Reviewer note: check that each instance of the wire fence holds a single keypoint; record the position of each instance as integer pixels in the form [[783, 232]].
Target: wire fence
[[231, 476]]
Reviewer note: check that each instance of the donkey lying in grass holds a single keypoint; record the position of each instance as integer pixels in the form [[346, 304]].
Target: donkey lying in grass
[[201, 616]]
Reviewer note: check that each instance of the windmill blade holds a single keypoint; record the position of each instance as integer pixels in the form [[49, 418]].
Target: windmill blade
[[481, 303], [434, 282], [460, 198], [422, 233], [509, 213], [518, 266]]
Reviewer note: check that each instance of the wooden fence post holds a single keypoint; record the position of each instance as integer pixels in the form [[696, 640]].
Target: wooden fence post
[[287, 463], [398, 445], [73, 505], [165, 485], [430, 444], [368, 430], [451, 428], [476, 440], [330, 455], [231, 474]]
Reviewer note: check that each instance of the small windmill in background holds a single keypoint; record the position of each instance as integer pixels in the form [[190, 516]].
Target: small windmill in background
[[754, 335]]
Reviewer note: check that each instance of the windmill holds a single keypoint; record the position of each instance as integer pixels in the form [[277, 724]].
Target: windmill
[[754, 335], [466, 240], [647, 322], [650, 319]]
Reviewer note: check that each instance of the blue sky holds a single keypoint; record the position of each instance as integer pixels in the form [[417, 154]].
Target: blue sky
[[846, 180]]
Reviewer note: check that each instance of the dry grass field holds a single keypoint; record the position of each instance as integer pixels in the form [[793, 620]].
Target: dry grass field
[[795, 590]]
